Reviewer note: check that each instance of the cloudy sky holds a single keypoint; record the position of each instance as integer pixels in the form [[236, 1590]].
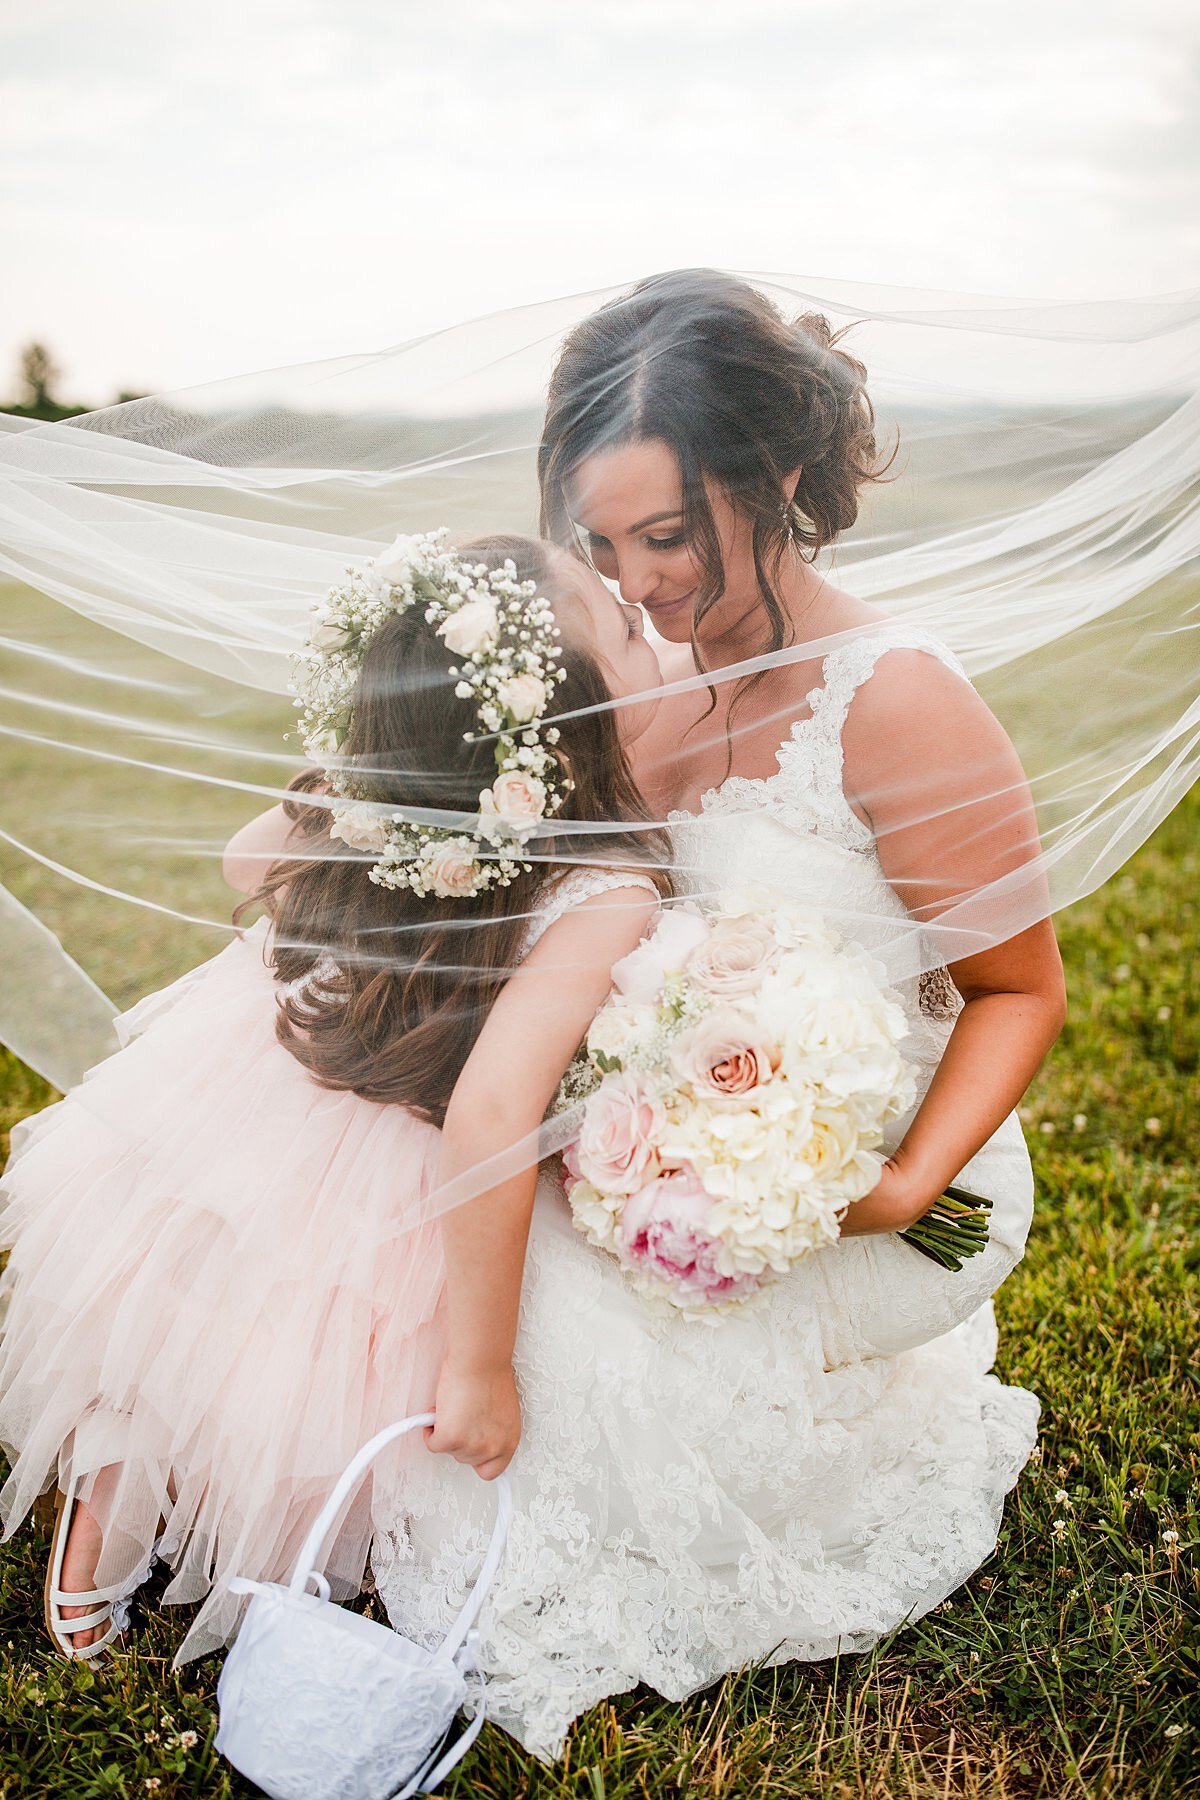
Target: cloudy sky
[[193, 191]]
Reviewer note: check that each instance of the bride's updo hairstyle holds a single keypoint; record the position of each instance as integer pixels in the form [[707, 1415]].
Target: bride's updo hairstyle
[[415, 974], [706, 364]]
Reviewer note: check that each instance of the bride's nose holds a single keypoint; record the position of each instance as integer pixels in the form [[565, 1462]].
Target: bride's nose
[[637, 578]]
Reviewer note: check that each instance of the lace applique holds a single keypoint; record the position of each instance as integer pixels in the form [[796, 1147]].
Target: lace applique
[[939, 998], [807, 788], [576, 886], [324, 969]]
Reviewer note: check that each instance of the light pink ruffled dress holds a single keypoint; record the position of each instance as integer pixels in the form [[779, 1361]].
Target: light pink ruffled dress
[[221, 1272]]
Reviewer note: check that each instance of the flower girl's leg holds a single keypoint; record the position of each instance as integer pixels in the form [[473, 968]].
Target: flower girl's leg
[[81, 1557]]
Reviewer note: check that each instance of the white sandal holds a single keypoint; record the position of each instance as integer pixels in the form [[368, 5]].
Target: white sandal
[[111, 1604]]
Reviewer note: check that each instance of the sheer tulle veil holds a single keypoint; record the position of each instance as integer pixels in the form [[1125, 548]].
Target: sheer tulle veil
[[1041, 519]]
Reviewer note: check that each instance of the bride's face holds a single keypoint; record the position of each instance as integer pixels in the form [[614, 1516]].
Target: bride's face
[[627, 505], [617, 638]]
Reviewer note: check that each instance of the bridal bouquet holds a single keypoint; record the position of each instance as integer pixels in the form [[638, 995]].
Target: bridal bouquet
[[735, 1091]]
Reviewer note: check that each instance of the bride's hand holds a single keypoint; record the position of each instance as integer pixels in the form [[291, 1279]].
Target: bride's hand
[[478, 1418], [893, 1204]]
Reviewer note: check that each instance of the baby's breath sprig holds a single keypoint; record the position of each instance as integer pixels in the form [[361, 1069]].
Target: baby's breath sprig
[[510, 662]]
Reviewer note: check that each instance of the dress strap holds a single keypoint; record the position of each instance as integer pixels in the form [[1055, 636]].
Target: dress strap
[[848, 665], [813, 760], [573, 888]]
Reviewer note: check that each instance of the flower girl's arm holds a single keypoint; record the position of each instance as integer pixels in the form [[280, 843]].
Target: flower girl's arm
[[534, 1029], [251, 851], [957, 819]]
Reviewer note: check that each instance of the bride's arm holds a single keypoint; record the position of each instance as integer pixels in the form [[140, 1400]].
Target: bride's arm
[[532, 1032], [931, 770]]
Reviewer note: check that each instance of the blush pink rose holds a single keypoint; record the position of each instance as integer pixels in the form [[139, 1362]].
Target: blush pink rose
[[622, 1123], [451, 871], [514, 798], [723, 1057], [663, 1233], [641, 974], [734, 958]]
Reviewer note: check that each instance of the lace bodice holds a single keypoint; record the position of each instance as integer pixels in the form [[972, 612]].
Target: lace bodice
[[799, 831]]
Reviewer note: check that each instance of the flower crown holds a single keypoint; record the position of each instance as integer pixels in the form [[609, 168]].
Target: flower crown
[[505, 633]]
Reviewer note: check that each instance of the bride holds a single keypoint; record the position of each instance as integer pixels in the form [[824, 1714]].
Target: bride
[[805, 1478]]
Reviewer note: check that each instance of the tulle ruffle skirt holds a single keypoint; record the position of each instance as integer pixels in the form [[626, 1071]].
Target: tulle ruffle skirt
[[221, 1283]]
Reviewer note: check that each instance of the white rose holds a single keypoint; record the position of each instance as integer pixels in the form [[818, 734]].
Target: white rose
[[323, 743], [360, 828], [832, 1142], [395, 565], [324, 636], [524, 697], [451, 871], [616, 1030], [514, 799], [472, 628]]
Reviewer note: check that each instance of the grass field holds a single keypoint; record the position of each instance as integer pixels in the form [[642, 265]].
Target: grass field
[[1068, 1666]]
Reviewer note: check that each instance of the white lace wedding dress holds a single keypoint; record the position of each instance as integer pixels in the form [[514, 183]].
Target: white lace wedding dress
[[778, 1485]]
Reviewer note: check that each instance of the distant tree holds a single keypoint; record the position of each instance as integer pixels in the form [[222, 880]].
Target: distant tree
[[39, 373]]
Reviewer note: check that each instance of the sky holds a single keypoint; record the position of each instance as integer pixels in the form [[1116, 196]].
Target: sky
[[194, 192]]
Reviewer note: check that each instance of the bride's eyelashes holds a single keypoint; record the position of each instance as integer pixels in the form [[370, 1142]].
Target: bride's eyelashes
[[602, 545]]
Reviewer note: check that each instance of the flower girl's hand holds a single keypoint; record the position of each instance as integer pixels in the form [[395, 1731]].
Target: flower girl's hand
[[478, 1418]]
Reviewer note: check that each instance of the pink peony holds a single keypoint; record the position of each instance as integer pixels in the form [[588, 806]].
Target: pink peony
[[622, 1123], [662, 1233], [640, 975], [723, 1057], [734, 958]]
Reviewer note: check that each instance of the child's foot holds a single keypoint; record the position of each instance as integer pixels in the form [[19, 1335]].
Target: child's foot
[[80, 1560]]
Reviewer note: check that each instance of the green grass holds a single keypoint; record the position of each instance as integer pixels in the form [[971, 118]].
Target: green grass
[[1063, 1668]]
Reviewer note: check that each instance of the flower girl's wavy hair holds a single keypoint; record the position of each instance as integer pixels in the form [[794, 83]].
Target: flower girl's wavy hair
[[416, 975], [710, 366]]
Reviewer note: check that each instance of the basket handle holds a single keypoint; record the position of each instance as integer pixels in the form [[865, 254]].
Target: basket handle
[[305, 1567]]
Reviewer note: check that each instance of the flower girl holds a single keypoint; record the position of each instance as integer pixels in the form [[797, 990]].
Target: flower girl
[[227, 1271]]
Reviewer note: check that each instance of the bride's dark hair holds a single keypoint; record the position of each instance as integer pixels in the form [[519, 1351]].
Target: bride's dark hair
[[708, 365], [416, 975]]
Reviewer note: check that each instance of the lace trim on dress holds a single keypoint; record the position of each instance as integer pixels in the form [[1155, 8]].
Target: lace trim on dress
[[576, 886], [939, 998], [810, 774], [324, 969]]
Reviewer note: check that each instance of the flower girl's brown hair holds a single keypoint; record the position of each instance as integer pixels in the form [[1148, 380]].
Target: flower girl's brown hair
[[415, 976]]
